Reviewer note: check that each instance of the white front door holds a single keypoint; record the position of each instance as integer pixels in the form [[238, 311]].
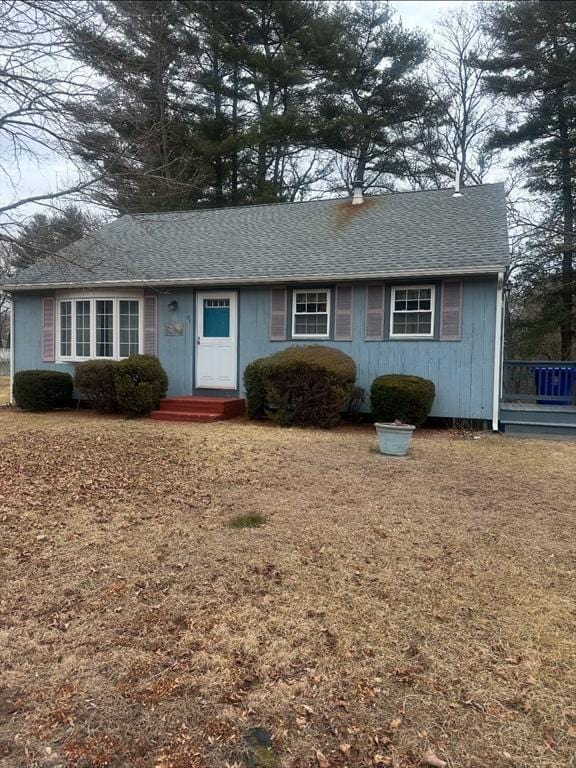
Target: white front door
[[216, 339]]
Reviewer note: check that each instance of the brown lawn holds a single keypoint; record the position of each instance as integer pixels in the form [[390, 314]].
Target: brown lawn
[[385, 610], [4, 389]]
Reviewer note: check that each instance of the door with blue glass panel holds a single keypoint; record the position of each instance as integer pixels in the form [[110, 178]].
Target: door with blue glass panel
[[216, 340]]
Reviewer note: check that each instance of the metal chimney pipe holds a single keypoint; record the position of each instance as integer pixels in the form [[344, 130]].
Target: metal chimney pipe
[[457, 192], [358, 192]]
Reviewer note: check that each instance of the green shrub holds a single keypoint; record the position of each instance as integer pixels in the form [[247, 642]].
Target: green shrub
[[302, 386], [255, 389], [94, 380], [42, 390], [140, 383], [406, 398]]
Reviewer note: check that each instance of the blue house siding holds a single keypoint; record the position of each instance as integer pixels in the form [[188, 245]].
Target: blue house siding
[[461, 370]]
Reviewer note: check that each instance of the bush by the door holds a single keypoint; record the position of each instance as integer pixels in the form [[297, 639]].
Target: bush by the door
[[42, 390], [407, 399], [301, 386], [94, 380], [140, 383], [255, 389]]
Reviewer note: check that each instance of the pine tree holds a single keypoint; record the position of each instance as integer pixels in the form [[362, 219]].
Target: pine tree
[[43, 235], [535, 68], [369, 95], [141, 129]]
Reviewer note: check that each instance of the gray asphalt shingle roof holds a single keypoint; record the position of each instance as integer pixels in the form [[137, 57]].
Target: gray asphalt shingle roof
[[388, 235]]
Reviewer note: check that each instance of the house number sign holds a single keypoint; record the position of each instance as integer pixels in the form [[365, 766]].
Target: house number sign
[[173, 329]]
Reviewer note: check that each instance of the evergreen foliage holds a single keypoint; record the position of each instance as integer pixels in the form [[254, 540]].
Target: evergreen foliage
[[535, 68], [40, 390]]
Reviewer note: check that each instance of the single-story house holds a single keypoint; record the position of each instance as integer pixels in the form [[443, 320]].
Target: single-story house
[[408, 282]]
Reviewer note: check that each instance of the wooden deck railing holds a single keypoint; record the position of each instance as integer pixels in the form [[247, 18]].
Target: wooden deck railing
[[545, 383]]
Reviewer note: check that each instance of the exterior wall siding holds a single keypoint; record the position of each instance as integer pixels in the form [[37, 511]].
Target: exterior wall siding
[[461, 370]]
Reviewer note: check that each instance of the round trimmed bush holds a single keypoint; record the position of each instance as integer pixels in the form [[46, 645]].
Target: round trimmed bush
[[302, 386], [94, 380], [406, 398], [42, 390], [140, 383]]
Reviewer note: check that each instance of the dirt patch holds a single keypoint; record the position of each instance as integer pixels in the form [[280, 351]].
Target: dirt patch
[[384, 609]]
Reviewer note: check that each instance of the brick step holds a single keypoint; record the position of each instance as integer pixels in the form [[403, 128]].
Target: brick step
[[227, 406], [198, 417], [230, 407]]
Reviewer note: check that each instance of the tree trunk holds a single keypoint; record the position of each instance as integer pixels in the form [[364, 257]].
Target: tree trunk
[[567, 330], [234, 159]]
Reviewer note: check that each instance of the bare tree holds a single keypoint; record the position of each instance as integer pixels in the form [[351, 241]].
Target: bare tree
[[39, 80], [454, 136]]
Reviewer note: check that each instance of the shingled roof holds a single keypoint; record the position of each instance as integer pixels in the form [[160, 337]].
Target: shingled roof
[[393, 235]]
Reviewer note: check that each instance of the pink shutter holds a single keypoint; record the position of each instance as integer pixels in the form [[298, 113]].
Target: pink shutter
[[278, 299], [343, 306], [451, 311], [150, 325], [48, 330], [374, 313]]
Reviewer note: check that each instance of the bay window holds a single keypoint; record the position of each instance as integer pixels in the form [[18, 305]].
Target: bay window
[[106, 328]]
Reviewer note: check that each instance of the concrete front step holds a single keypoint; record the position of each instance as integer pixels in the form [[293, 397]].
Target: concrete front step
[[198, 408]]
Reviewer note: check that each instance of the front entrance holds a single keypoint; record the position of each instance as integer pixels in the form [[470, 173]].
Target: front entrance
[[216, 340]]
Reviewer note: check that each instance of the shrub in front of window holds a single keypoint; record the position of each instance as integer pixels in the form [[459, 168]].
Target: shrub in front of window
[[42, 390], [306, 385], [94, 380], [255, 389], [140, 383], [406, 398]]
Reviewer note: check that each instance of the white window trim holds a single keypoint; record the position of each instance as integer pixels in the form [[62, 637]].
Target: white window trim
[[92, 298], [328, 293], [432, 310]]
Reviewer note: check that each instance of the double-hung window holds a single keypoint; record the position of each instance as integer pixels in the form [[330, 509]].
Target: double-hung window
[[311, 313], [106, 328], [412, 311]]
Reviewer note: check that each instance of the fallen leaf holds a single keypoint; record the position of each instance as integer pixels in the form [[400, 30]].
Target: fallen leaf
[[393, 725], [431, 759], [345, 748], [322, 760]]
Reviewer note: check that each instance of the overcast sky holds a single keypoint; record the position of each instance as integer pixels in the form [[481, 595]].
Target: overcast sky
[[52, 173]]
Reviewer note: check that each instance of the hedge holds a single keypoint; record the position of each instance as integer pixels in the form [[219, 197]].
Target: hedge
[[405, 398], [42, 390], [94, 380], [140, 383], [301, 386]]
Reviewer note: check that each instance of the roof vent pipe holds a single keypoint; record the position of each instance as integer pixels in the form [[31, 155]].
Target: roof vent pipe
[[358, 192], [457, 192]]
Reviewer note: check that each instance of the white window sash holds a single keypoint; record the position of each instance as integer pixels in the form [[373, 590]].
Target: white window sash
[[326, 335], [74, 358], [432, 311]]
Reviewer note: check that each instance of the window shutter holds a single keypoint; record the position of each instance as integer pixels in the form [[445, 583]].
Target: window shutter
[[48, 330], [278, 299], [150, 325], [374, 325], [343, 312], [451, 311]]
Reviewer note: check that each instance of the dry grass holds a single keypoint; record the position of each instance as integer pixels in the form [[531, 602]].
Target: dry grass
[[4, 389], [385, 608]]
